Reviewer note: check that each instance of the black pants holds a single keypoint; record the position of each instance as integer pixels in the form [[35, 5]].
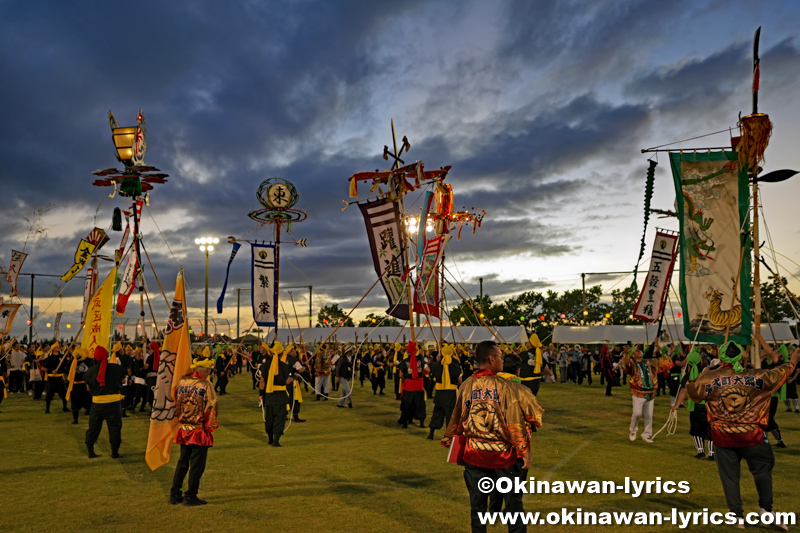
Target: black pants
[[478, 501], [150, 383], [192, 460], [112, 414], [443, 404], [38, 389], [17, 378], [55, 385], [275, 417], [378, 381], [81, 399], [773, 408], [128, 391], [412, 406], [674, 384], [588, 375], [760, 461], [222, 383]]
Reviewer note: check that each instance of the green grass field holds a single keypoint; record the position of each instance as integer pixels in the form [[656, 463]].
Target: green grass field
[[348, 470]]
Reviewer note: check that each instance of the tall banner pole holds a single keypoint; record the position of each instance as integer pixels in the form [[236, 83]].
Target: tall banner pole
[[753, 177], [277, 271], [405, 252]]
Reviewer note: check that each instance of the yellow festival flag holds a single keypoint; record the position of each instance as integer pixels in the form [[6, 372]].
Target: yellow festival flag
[[97, 326], [176, 356]]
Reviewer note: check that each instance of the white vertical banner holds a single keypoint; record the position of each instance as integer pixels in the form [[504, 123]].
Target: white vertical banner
[[57, 326], [88, 291], [651, 300], [17, 258], [263, 296]]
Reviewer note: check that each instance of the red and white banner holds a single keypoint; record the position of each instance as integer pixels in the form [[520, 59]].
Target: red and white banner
[[127, 283], [88, 290], [426, 293], [651, 300], [17, 258]]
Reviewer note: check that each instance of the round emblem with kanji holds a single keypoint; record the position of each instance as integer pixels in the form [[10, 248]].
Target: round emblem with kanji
[[277, 193]]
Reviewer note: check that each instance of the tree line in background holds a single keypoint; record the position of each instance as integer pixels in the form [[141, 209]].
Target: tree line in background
[[540, 312]]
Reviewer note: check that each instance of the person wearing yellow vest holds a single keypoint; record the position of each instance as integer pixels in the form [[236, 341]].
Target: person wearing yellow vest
[[446, 373], [104, 382], [530, 372], [275, 376], [77, 392], [54, 367]]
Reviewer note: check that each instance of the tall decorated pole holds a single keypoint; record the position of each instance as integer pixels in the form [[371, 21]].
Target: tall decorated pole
[[390, 230], [755, 130], [277, 197], [134, 182]]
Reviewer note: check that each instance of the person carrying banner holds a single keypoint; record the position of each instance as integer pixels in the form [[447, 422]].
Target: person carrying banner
[[643, 376], [738, 401], [196, 410], [493, 414], [275, 377], [54, 378], [104, 381]]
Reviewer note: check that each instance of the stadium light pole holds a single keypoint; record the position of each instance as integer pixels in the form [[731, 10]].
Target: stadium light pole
[[206, 245]]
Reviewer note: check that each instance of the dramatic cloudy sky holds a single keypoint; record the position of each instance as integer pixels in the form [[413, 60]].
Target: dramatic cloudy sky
[[541, 108]]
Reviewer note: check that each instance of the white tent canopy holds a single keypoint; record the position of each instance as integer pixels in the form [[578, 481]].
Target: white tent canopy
[[456, 334], [646, 334]]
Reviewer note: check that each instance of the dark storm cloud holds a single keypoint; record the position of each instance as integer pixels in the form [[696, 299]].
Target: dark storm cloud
[[237, 93], [713, 85]]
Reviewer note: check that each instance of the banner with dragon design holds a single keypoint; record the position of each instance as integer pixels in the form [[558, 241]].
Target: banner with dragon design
[[712, 204]]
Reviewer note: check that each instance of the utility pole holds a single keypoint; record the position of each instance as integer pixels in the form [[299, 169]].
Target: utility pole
[[583, 296]]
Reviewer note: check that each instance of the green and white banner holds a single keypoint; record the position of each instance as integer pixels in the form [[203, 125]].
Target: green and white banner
[[713, 210]]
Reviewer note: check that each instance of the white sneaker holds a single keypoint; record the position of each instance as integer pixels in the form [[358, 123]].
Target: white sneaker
[[646, 438], [779, 527], [633, 436]]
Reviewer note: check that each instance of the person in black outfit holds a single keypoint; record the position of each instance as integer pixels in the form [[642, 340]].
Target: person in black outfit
[[446, 372], [296, 368], [104, 381], [221, 369], [275, 376], [55, 378], [363, 366], [79, 395], [151, 371], [125, 360], [378, 378]]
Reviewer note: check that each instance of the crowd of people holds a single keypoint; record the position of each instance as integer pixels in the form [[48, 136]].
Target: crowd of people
[[413, 374]]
